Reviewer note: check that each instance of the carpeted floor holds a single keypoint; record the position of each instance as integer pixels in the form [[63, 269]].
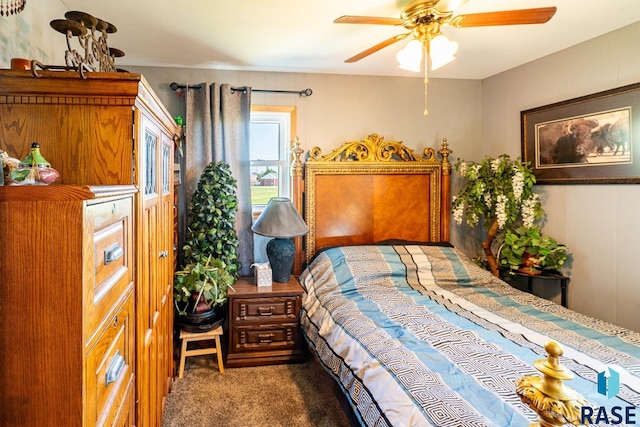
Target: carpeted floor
[[279, 395]]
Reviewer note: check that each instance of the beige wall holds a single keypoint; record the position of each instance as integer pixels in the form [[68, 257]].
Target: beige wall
[[599, 223], [345, 107], [29, 35]]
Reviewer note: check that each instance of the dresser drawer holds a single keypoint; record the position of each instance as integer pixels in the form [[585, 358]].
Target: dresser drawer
[[265, 337], [110, 369], [266, 310], [110, 235]]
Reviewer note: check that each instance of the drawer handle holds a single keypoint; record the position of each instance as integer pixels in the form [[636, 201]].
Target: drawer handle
[[115, 368], [265, 311], [112, 253], [265, 338]]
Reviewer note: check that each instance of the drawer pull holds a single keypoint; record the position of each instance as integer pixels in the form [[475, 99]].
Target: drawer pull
[[265, 311], [115, 368], [265, 338], [112, 253]]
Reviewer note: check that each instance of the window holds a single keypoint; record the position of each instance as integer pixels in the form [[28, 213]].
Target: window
[[272, 130]]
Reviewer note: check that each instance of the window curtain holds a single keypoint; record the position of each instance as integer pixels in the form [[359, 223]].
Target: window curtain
[[218, 120]]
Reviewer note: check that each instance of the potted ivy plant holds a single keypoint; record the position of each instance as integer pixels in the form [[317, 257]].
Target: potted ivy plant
[[525, 249], [200, 292], [211, 264], [212, 216]]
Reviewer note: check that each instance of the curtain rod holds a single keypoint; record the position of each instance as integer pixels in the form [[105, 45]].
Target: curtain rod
[[305, 92]]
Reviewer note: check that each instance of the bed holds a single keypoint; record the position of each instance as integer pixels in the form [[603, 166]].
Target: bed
[[415, 334]]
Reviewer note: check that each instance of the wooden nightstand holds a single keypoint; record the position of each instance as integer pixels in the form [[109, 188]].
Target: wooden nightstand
[[263, 324]]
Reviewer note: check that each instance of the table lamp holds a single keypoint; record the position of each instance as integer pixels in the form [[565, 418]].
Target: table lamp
[[280, 220]]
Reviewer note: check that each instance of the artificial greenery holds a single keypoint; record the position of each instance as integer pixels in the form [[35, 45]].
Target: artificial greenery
[[545, 253], [205, 281], [499, 191], [211, 217]]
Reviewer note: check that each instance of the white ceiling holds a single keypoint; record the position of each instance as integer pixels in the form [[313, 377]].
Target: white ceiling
[[300, 36]]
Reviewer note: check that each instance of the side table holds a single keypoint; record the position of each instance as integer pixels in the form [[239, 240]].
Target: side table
[[548, 275], [263, 323]]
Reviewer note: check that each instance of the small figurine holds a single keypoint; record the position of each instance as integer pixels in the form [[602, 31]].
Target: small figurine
[[8, 164], [34, 169]]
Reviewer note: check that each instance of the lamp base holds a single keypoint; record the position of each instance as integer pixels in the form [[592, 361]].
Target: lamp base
[[281, 253]]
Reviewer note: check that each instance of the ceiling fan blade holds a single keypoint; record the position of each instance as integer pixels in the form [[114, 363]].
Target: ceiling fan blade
[[376, 48], [350, 19], [506, 17]]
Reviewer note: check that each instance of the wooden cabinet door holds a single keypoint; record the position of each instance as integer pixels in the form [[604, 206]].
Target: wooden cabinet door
[[148, 145], [155, 269], [165, 266]]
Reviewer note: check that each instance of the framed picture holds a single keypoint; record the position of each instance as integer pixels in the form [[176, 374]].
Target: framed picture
[[593, 139]]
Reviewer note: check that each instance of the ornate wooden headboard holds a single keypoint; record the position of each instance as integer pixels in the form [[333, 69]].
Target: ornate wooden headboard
[[371, 190]]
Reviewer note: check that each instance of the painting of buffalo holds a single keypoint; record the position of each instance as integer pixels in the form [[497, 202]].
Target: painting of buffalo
[[601, 138], [591, 139]]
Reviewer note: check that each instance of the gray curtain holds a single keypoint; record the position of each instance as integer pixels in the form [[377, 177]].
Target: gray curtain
[[217, 129]]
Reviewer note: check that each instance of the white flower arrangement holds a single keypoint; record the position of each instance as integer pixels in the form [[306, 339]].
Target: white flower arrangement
[[496, 189], [499, 190]]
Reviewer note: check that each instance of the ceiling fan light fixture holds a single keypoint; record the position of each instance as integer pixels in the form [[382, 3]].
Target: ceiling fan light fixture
[[441, 51], [410, 58]]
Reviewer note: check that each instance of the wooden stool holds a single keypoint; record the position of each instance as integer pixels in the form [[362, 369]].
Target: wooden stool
[[188, 337]]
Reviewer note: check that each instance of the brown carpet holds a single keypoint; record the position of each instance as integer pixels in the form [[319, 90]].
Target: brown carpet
[[279, 395]]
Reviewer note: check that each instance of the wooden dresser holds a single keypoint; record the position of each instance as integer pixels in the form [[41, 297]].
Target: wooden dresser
[[67, 323], [263, 324], [108, 129]]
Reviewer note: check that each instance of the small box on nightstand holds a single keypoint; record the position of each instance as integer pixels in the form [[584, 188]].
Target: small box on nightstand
[[262, 274]]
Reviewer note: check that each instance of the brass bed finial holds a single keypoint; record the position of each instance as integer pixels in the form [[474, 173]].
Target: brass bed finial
[[444, 152], [555, 403], [296, 164]]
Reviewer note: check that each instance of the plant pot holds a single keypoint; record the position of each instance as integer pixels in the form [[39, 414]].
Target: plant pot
[[529, 265], [201, 321]]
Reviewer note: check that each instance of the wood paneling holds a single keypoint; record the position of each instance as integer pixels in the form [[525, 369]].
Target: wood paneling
[[362, 202]]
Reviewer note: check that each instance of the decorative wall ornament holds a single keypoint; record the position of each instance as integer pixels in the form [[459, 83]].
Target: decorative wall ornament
[[373, 148], [11, 7], [94, 53]]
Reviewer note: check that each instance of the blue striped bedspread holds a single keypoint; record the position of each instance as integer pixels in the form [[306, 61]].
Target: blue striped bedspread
[[421, 336]]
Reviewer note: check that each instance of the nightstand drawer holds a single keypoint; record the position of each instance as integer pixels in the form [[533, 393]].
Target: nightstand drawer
[[266, 337], [269, 309]]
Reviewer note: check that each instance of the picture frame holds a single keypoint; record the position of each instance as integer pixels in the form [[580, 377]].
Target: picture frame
[[592, 139]]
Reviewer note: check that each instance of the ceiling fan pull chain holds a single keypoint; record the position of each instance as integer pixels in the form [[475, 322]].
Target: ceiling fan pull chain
[[426, 82]]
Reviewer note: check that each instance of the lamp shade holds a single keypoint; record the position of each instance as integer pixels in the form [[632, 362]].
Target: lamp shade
[[280, 219], [410, 58], [442, 51]]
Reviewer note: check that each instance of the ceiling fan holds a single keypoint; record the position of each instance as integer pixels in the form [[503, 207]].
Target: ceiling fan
[[424, 19]]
